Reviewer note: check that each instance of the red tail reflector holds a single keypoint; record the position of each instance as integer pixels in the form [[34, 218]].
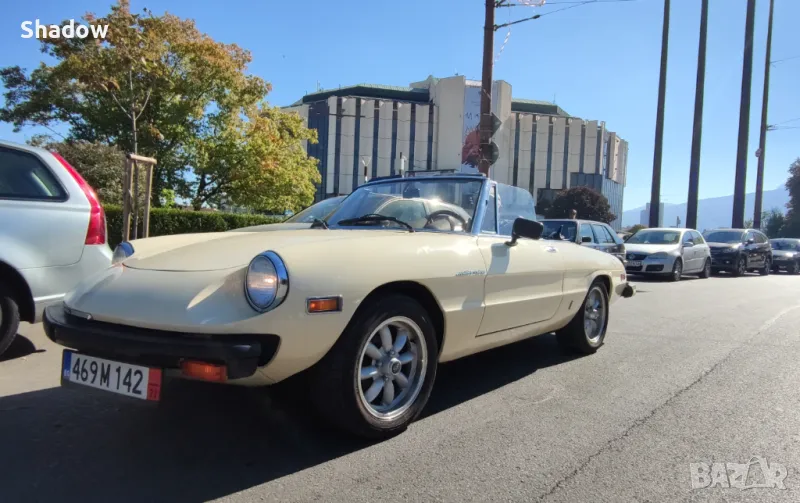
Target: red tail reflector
[[96, 233], [204, 371]]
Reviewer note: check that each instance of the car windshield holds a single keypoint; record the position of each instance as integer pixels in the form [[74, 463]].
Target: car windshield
[[655, 237], [315, 211], [446, 204], [785, 244], [554, 229], [724, 237]]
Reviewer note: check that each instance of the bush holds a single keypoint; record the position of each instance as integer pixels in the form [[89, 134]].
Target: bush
[[166, 221]]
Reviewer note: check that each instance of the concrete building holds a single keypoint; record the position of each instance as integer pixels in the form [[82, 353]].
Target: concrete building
[[644, 215], [368, 130]]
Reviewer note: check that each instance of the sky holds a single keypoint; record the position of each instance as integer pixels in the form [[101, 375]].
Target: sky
[[597, 61]]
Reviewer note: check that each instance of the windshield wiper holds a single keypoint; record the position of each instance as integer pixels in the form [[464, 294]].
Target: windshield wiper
[[318, 222], [374, 218]]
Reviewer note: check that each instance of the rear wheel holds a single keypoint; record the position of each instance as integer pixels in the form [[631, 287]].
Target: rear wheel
[[794, 269], [587, 330], [378, 376], [9, 319], [706, 272], [741, 267]]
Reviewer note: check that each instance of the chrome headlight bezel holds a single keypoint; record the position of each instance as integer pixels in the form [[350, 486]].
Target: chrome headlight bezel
[[122, 252], [281, 279]]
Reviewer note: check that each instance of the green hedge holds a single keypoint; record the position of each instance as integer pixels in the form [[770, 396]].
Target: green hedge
[[165, 221]]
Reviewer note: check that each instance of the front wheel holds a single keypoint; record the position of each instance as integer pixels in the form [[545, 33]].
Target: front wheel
[[587, 330], [9, 319], [706, 272], [764, 271], [741, 267], [794, 269], [677, 271], [378, 376]]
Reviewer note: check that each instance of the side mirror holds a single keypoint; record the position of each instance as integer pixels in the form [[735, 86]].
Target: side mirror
[[688, 244], [524, 228], [586, 239]]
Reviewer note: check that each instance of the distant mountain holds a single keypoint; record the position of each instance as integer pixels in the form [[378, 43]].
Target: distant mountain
[[713, 212]]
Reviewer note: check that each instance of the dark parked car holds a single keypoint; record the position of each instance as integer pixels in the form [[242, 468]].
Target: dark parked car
[[595, 235], [785, 255], [739, 251]]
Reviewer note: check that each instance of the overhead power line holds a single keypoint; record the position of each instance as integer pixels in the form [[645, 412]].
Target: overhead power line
[[784, 59]]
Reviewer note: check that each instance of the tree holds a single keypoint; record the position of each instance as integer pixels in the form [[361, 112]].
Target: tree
[[99, 164], [590, 205], [636, 228], [791, 226], [155, 85], [773, 222], [748, 224]]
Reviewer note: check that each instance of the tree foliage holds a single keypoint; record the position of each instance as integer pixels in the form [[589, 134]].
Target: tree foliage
[[590, 205], [636, 228], [791, 227], [158, 86], [772, 223]]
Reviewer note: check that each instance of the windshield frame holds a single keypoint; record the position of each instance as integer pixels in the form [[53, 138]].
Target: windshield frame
[[480, 207], [741, 240], [289, 220]]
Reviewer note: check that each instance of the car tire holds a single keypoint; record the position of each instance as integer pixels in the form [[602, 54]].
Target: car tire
[[342, 396], [9, 319], [794, 269], [706, 272], [576, 337], [764, 271], [741, 267], [677, 271]]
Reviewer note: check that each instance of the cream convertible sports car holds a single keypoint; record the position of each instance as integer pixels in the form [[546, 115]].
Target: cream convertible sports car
[[408, 272]]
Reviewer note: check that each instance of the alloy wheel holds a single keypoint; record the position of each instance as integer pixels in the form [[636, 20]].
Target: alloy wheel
[[391, 368], [677, 271], [594, 315], [741, 267]]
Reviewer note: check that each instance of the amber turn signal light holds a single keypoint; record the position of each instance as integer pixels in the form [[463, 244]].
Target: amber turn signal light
[[204, 371], [324, 305]]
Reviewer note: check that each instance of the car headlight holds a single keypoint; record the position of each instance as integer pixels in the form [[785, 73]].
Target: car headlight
[[730, 250], [121, 252], [660, 255], [267, 282]]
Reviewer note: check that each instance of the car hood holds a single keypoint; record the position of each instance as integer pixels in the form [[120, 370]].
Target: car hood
[[783, 253], [274, 227], [225, 250], [649, 249], [722, 245]]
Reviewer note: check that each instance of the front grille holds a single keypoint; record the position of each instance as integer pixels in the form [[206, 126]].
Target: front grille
[[633, 268], [637, 256]]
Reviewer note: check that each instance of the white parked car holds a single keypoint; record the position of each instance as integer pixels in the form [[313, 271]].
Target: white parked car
[[408, 272], [669, 252], [53, 234]]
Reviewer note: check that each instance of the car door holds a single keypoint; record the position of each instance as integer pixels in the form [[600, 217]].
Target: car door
[[603, 241], [752, 250], [587, 232], [524, 282], [764, 248], [703, 251], [688, 252], [615, 246]]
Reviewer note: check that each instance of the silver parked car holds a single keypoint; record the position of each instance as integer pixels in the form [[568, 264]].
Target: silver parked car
[[669, 252], [53, 234]]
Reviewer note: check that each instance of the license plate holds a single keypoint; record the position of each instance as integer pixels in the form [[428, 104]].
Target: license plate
[[117, 377], [635, 263]]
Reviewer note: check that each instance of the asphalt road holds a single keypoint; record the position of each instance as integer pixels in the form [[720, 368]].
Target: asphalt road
[[698, 371]]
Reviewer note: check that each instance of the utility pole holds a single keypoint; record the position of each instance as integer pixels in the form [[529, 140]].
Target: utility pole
[[762, 143], [486, 89], [737, 219], [655, 190], [697, 132]]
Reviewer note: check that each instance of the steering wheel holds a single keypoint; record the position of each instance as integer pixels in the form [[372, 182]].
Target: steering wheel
[[446, 213]]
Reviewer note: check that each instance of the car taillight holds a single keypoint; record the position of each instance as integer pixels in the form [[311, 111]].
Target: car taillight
[[96, 233]]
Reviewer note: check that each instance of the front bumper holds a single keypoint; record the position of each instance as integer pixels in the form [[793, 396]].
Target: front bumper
[[651, 266], [242, 354], [724, 261]]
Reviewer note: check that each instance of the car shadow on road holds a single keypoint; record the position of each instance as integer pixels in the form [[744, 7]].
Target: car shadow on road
[[21, 346], [203, 441]]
